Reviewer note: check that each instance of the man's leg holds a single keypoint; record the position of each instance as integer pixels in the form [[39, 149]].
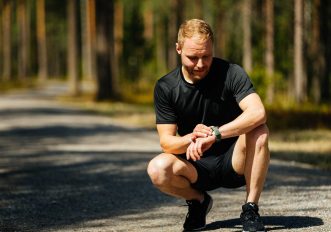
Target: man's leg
[[174, 176], [251, 157]]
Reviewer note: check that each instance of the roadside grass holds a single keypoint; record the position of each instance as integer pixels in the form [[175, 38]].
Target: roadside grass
[[124, 113], [307, 146], [12, 85]]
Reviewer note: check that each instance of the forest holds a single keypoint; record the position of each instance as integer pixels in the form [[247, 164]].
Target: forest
[[119, 48]]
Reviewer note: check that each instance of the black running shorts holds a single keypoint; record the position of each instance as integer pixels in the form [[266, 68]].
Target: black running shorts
[[216, 171]]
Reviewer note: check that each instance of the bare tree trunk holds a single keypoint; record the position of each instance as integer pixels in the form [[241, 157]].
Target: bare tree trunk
[[247, 44], [161, 63], [6, 32], [41, 40], [174, 22], [199, 9], [318, 62], [325, 12], [72, 59], [89, 37], [149, 21], [219, 43], [299, 73], [118, 43], [269, 55], [83, 22], [104, 49], [23, 39]]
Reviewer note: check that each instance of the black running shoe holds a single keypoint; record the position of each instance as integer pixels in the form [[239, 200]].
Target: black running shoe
[[250, 218], [197, 212]]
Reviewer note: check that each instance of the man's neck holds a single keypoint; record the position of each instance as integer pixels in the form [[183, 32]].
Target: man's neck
[[187, 76]]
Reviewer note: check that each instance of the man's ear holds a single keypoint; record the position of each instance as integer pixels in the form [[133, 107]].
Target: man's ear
[[178, 49]]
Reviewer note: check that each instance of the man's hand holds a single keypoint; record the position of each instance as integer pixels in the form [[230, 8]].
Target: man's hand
[[196, 149], [201, 131]]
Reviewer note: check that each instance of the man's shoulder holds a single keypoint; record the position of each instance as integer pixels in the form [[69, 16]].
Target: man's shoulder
[[226, 65], [170, 80], [219, 67]]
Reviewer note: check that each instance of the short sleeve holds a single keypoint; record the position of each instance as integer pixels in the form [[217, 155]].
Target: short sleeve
[[164, 110], [238, 83]]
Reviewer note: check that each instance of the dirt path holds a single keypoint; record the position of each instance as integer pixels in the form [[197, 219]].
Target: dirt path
[[63, 169]]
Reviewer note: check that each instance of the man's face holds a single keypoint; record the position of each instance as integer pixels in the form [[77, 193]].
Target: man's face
[[196, 56]]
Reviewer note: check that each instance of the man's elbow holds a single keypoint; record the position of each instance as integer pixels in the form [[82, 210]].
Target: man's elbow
[[164, 146], [261, 116]]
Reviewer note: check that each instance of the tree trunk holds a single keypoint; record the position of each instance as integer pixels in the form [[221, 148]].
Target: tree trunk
[[72, 50], [318, 62], [160, 36], [118, 43], [219, 43], [41, 40], [269, 54], [247, 44], [174, 22], [299, 73], [6, 40], [23, 39], [89, 37], [104, 49], [199, 9], [325, 12]]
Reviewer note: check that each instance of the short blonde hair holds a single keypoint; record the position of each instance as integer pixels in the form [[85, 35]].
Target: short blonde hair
[[194, 27]]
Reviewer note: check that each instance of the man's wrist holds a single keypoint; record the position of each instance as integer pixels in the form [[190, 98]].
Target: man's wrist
[[216, 133]]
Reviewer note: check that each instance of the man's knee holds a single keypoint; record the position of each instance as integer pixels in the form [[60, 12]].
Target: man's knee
[[259, 136], [159, 169]]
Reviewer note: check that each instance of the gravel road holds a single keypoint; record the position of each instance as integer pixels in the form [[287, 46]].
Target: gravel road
[[64, 169]]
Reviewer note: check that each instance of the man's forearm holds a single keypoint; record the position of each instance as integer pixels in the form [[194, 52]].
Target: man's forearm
[[175, 144], [243, 123]]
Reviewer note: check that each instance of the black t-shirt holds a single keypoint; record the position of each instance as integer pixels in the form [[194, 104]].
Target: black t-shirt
[[213, 101]]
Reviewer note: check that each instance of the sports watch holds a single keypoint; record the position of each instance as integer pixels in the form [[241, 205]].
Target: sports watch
[[217, 133]]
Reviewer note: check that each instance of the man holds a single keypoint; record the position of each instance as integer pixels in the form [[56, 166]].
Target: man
[[211, 125]]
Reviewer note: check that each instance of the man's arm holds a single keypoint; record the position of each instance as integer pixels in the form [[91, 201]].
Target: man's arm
[[170, 142], [253, 115]]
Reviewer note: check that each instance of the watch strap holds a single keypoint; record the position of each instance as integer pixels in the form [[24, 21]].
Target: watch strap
[[217, 133]]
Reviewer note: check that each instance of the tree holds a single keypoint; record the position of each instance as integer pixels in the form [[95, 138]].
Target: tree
[[316, 53], [104, 49], [269, 51], [219, 42], [88, 41], [41, 40], [118, 42], [325, 12], [175, 19], [72, 47], [299, 73], [247, 44], [6, 40], [24, 39]]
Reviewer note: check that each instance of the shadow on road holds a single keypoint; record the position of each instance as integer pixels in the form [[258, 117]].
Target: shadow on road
[[271, 223], [40, 194]]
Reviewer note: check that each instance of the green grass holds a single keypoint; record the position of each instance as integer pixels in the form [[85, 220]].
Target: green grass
[[7, 86]]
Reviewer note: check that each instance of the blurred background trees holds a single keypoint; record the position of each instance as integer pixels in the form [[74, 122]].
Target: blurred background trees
[[119, 48]]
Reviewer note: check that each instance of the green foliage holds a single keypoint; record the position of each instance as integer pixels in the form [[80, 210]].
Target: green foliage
[[56, 27], [261, 81], [133, 41]]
